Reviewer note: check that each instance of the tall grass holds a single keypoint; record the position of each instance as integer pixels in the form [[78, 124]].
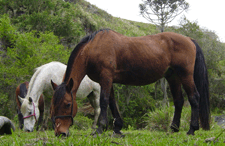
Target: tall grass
[[161, 118]]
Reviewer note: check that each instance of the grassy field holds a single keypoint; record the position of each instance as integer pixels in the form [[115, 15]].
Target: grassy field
[[132, 138]]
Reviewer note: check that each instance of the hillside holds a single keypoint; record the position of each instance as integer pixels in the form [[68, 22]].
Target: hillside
[[33, 33]]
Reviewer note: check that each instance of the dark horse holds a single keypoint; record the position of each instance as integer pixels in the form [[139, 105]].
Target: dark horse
[[108, 57], [21, 91]]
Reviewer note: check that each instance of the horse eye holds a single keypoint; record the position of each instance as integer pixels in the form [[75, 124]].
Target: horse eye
[[68, 105], [30, 113]]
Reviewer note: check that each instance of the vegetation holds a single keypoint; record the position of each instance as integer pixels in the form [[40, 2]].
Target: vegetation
[[33, 33], [162, 12], [132, 137]]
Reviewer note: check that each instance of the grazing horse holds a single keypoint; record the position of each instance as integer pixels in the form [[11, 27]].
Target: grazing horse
[[21, 91], [41, 82], [109, 57]]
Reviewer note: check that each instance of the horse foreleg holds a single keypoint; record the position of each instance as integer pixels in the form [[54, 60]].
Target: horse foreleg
[[40, 119], [20, 118], [118, 122], [106, 84]]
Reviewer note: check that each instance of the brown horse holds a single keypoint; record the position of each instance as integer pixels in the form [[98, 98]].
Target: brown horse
[[21, 91], [108, 57]]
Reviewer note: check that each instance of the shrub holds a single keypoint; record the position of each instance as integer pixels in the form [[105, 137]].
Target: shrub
[[161, 118], [82, 122]]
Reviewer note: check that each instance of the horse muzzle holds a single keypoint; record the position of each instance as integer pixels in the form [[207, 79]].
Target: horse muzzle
[[62, 134]]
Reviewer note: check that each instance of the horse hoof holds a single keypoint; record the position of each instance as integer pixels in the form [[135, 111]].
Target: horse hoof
[[174, 128], [190, 132], [118, 135], [96, 133]]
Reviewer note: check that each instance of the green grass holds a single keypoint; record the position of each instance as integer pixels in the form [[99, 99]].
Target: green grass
[[132, 138]]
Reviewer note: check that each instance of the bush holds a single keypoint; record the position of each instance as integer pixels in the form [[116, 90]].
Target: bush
[[133, 103], [28, 51], [161, 118], [82, 122]]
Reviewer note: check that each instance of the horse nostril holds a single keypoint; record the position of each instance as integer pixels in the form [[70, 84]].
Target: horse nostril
[[62, 134], [28, 130]]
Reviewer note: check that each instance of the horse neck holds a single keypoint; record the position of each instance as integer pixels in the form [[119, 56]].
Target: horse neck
[[35, 87], [41, 80], [85, 88], [77, 74]]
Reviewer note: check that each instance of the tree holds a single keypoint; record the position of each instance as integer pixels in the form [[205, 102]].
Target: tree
[[162, 12]]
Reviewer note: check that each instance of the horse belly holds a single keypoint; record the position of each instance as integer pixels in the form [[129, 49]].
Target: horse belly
[[140, 77]]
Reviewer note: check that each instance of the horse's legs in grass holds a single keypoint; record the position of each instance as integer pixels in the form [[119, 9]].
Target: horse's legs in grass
[[175, 87], [94, 100], [118, 122], [20, 118], [40, 119], [106, 85], [193, 98]]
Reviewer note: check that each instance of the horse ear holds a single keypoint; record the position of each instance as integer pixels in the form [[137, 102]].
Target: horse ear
[[30, 99], [54, 85], [21, 99], [69, 86]]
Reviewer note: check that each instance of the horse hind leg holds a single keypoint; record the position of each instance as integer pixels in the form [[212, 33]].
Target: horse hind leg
[[193, 98], [95, 103], [175, 88]]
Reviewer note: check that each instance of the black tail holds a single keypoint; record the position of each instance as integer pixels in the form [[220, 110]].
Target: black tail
[[202, 85]]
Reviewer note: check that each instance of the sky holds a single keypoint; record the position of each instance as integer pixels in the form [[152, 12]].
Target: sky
[[208, 13]]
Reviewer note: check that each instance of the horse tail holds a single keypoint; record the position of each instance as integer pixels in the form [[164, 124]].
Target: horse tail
[[202, 85]]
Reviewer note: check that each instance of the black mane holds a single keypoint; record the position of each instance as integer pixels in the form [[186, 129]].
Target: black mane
[[75, 51], [23, 90], [59, 93]]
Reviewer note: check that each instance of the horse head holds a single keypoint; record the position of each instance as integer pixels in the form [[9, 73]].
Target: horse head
[[63, 108], [30, 112]]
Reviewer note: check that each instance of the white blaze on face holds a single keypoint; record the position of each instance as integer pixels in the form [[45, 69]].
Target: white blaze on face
[[27, 109]]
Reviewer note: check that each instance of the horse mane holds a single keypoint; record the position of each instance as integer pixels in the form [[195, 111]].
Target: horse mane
[[36, 73], [33, 78], [75, 51], [23, 90], [59, 93]]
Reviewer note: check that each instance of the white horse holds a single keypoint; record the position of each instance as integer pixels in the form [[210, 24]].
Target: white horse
[[41, 82]]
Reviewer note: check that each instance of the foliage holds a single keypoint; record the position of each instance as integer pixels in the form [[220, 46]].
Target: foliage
[[7, 32], [82, 122], [28, 51], [33, 33], [133, 103], [162, 12], [161, 118]]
